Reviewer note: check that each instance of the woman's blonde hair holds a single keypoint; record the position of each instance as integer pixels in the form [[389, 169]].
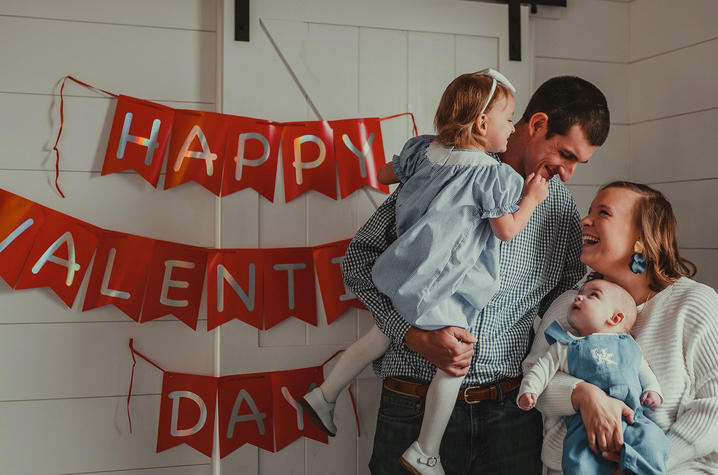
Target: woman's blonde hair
[[659, 235], [459, 107]]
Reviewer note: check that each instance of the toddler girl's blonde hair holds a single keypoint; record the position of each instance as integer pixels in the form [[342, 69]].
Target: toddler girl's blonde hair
[[460, 106]]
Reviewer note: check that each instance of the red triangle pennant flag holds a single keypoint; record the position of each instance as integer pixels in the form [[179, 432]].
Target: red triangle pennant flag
[[359, 153], [196, 151], [60, 255], [308, 159], [20, 221], [138, 138], [289, 286], [251, 156], [336, 298], [187, 412], [290, 422], [119, 273], [176, 276], [235, 287], [245, 412]]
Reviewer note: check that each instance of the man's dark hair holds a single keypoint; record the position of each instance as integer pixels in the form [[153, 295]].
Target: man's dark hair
[[569, 100]]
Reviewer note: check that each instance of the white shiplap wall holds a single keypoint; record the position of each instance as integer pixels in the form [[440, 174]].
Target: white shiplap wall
[[590, 38], [655, 61], [674, 112], [65, 372]]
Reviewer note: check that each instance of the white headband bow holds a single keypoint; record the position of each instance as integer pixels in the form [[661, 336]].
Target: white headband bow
[[495, 77]]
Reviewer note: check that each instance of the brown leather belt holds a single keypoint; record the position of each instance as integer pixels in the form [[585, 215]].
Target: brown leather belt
[[470, 394]]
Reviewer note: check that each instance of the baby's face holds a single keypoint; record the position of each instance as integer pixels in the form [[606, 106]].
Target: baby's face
[[593, 308]]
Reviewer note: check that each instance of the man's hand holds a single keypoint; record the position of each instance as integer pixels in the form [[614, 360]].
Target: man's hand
[[450, 349]]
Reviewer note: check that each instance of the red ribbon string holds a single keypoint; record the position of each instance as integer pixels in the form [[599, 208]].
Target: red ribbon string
[[349, 390], [413, 121], [134, 352], [62, 121]]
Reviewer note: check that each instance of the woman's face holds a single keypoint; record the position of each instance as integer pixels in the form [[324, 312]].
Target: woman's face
[[610, 231]]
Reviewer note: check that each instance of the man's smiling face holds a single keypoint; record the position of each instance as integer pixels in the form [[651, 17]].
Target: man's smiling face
[[557, 155]]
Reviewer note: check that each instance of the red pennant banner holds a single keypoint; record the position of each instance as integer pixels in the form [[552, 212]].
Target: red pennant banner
[[359, 153], [138, 138], [308, 160], [176, 276], [197, 148], [252, 156], [119, 273], [148, 279], [336, 298], [261, 409], [187, 412], [21, 219], [290, 422], [289, 286], [246, 412], [59, 256], [226, 153]]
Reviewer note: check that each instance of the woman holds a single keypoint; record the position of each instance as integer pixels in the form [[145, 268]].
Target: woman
[[630, 238]]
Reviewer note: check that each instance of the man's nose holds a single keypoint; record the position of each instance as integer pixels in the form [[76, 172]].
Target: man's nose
[[566, 171]]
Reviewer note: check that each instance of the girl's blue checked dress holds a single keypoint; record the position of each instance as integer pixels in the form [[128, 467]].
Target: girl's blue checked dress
[[444, 265]]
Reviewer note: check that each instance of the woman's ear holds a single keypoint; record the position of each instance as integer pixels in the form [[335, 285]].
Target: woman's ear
[[481, 125], [615, 319], [538, 123]]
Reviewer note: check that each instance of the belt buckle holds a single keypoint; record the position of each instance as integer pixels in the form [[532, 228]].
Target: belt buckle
[[466, 395]]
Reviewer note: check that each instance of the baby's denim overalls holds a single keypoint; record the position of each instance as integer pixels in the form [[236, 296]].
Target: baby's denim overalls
[[611, 362]]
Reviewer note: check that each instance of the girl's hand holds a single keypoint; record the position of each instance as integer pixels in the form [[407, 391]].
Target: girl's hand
[[651, 399], [535, 188], [527, 401], [602, 416]]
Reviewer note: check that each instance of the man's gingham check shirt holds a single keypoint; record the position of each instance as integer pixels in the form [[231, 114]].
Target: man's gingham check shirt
[[537, 265]]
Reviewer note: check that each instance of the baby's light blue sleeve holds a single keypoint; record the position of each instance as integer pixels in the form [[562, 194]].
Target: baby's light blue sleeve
[[412, 157], [497, 190]]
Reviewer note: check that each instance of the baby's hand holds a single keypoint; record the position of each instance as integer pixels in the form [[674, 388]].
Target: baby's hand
[[527, 401], [651, 399], [536, 187]]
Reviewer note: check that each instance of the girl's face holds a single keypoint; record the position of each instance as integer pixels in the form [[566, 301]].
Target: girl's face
[[610, 232], [499, 124]]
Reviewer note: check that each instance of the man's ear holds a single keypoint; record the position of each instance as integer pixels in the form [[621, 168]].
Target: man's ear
[[481, 125], [538, 123], [615, 319]]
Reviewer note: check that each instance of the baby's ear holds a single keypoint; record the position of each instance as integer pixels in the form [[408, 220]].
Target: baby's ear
[[615, 319]]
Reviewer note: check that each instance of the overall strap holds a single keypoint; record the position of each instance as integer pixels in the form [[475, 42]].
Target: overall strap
[[554, 333]]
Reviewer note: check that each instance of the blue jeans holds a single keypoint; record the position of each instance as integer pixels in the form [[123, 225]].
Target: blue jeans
[[488, 438]]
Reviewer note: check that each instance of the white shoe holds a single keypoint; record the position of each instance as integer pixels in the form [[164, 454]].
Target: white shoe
[[418, 463], [319, 411]]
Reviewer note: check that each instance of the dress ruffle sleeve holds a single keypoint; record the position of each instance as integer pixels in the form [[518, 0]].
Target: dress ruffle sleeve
[[412, 157], [498, 190]]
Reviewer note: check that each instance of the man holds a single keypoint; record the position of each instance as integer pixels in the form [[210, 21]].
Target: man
[[565, 121]]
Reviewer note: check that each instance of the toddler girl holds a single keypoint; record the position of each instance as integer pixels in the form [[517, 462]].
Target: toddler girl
[[456, 203]]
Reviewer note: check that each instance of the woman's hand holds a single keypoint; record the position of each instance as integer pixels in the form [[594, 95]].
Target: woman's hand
[[602, 416], [450, 349]]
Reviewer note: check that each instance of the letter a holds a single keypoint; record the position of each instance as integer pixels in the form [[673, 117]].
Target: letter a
[[206, 154], [70, 263], [255, 416]]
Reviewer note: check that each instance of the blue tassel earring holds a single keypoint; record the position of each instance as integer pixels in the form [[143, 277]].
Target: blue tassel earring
[[638, 263]]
